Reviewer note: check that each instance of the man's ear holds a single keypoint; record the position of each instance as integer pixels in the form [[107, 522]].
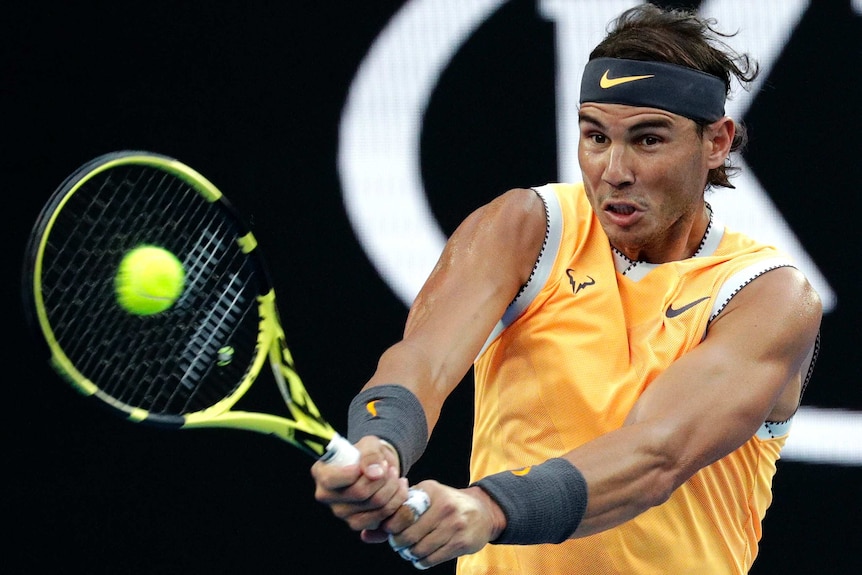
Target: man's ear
[[718, 138]]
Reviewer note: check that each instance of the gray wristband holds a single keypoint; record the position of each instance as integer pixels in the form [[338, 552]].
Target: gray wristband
[[392, 413], [544, 505]]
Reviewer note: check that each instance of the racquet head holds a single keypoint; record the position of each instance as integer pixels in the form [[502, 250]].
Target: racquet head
[[185, 367]]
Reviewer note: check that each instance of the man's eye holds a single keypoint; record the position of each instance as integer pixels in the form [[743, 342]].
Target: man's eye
[[650, 140]]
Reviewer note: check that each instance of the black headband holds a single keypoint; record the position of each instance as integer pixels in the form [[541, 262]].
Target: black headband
[[677, 89]]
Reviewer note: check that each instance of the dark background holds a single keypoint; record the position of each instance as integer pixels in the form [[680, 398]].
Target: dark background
[[250, 94]]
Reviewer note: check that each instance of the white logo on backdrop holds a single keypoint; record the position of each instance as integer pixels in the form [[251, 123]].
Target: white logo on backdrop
[[379, 156]]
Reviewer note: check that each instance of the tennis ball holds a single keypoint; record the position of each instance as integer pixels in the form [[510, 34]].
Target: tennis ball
[[149, 280]]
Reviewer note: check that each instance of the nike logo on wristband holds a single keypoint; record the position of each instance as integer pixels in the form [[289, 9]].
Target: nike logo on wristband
[[522, 472], [371, 407]]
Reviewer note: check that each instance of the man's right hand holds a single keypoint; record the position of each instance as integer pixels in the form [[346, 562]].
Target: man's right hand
[[366, 493]]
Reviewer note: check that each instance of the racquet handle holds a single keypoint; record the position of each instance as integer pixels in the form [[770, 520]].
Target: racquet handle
[[339, 451]]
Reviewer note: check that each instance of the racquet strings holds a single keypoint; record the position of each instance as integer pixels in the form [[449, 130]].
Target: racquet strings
[[167, 364]]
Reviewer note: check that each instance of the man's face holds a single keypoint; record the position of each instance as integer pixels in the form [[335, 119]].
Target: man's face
[[645, 172]]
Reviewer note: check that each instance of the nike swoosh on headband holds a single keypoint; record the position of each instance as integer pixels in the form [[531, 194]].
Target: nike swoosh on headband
[[671, 87], [606, 82]]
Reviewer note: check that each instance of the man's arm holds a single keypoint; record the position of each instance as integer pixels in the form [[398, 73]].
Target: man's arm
[[707, 404], [483, 266], [485, 263]]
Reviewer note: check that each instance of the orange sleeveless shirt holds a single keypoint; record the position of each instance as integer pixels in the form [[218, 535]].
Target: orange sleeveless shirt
[[569, 359]]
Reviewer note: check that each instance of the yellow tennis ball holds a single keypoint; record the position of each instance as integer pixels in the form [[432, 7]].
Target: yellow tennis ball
[[149, 280]]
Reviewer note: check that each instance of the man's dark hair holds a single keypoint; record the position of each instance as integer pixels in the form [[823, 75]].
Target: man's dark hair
[[679, 36]]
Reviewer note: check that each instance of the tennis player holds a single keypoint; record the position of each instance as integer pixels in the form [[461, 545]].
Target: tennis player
[[637, 364]]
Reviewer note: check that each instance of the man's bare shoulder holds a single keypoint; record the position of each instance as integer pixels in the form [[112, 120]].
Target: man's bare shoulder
[[783, 291]]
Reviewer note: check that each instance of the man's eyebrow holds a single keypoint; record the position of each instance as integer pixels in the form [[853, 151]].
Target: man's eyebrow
[[586, 118], [645, 125]]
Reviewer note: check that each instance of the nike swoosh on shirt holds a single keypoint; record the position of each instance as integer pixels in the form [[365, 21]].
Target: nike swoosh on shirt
[[606, 82], [671, 312]]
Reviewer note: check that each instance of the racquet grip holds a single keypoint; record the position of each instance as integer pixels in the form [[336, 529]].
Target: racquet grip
[[339, 451]]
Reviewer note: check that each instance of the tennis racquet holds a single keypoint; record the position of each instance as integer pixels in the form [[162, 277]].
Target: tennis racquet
[[184, 368]]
